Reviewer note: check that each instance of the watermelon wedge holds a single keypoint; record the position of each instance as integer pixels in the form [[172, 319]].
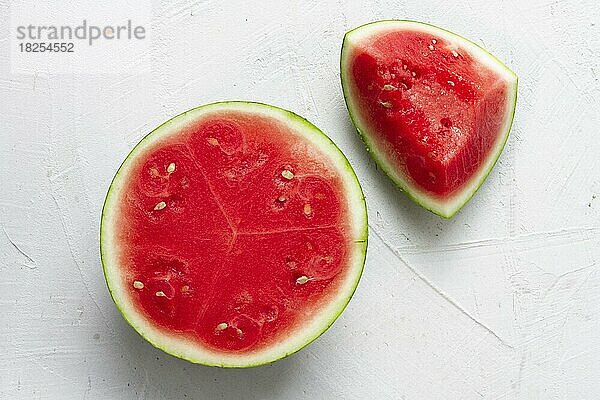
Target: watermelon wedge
[[433, 108], [233, 235]]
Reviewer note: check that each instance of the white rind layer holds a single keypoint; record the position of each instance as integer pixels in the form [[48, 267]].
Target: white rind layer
[[193, 351], [449, 206]]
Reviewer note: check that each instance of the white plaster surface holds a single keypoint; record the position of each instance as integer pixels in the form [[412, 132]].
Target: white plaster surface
[[501, 302]]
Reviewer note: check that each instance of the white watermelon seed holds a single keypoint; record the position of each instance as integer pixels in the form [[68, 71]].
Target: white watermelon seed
[[431, 47], [389, 87], [281, 199], [302, 280], [307, 209], [184, 288], [160, 293], [212, 141], [171, 168], [138, 285], [413, 73], [239, 332], [287, 174], [160, 205], [222, 326], [386, 104], [450, 83], [434, 41], [454, 53]]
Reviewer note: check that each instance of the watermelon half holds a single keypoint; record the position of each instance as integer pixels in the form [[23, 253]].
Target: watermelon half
[[233, 235], [433, 108]]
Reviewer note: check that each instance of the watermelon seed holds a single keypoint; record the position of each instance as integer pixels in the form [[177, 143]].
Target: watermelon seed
[[307, 210], [171, 168], [386, 104], [404, 66], [434, 41], [160, 293], [160, 205], [413, 73], [450, 83], [454, 53], [287, 174], [212, 141], [431, 47], [239, 332], [222, 326], [184, 288], [302, 280], [138, 285], [281, 199], [389, 87]]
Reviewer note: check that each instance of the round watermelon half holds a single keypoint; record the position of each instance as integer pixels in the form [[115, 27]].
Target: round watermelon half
[[233, 235], [433, 108]]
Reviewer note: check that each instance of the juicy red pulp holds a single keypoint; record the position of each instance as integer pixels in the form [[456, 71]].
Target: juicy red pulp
[[434, 110], [236, 229]]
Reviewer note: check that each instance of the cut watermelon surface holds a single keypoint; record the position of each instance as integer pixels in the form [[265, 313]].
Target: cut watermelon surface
[[233, 234], [434, 109]]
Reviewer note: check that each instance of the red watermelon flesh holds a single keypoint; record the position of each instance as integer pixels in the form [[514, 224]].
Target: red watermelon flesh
[[434, 108], [235, 234]]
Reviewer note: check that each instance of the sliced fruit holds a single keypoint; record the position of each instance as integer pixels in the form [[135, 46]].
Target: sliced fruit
[[233, 234], [433, 108]]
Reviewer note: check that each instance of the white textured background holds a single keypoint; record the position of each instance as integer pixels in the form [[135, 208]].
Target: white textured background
[[501, 302]]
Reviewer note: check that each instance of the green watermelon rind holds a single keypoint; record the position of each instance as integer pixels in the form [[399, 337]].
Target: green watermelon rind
[[423, 199], [161, 339]]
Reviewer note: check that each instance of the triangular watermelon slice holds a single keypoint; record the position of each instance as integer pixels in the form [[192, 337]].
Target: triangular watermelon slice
[[433, 108]]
